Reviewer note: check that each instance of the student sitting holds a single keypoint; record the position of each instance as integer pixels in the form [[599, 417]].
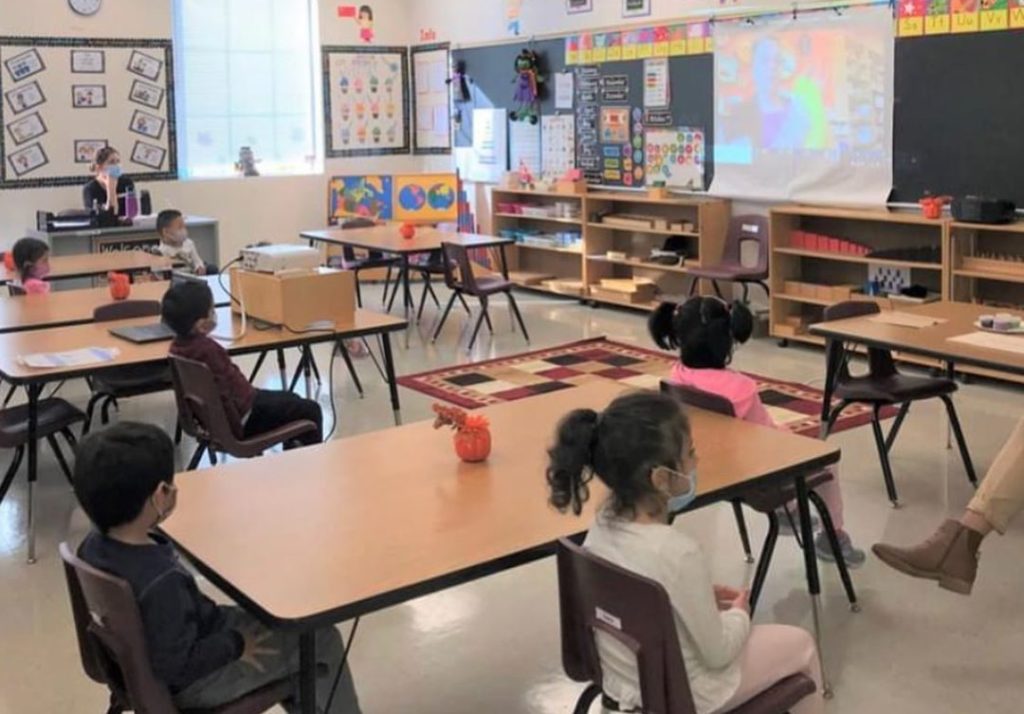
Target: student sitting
[[188, 309], [32, 261], [640, 447], [207, 655], [705, 331], [176, 245]]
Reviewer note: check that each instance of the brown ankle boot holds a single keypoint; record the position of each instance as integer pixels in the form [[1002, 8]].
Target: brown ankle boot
[[949, 556]]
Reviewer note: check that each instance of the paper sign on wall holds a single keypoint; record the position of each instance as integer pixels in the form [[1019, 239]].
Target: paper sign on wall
[[490, 145], [558, 144], [524, 146], [614, 125], [563, 90], [656, 83], [675, 157]]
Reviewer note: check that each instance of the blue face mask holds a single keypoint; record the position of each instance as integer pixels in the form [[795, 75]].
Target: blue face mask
[[681, 501], [114, 171]]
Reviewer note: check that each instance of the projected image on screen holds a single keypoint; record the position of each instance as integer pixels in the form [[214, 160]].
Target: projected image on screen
[[804, 108]]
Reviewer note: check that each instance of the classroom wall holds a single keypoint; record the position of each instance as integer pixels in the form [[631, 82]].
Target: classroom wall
[[264, 208]]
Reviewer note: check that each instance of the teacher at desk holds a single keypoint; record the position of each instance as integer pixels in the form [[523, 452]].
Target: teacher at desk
[[108, 185]]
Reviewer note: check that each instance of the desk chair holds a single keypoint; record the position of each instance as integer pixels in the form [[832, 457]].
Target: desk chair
[[882, 386], [112, 645], [768, 500], [593, 593], [15, 290], [373, 259], [55, 416], [124, 382], [213, 422], [432, 267], [460, 279], [742, 229]]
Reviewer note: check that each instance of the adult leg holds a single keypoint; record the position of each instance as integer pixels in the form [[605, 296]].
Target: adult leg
[[272, 409], [772, 653]]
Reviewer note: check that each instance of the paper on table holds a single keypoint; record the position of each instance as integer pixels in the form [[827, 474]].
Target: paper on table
[[74, 358], [992, 341], [906, 319]]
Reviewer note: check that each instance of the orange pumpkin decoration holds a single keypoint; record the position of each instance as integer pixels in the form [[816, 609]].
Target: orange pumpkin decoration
[[120, 285], [473, 445], [407, 231], [9, 260]]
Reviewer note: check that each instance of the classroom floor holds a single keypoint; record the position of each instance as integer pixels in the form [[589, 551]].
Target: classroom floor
[[492, 645]]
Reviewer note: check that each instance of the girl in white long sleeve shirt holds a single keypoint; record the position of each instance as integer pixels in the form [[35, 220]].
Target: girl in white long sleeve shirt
[[640, 447]]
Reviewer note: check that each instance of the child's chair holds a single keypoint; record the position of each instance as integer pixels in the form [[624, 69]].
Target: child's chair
[[112, 645], [750, 229], [598, 596]]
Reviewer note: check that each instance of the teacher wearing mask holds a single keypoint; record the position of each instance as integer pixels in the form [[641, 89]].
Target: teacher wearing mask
[[106, 190]]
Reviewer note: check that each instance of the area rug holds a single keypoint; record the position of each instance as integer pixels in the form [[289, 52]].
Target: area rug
[[520, 376]]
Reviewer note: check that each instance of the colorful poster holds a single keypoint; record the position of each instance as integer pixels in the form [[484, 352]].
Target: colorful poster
[[697, 35], [677, 45], [367, 97], [630, 45], [359, 197], [995, 15], [614, 41], [426, 198], [965, 16], [586, 49], [614, 125], [600, 48], [572, 50], [1016, 14], [936, 21], [661, 39], [911, 18], [645, 43], [675, 157], [557, 144]]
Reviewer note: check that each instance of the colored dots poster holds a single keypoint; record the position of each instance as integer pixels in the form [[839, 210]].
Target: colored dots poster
[[675, 157]]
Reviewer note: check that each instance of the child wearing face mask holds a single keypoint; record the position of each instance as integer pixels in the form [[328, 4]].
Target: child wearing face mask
[[188, 309], [641, 448], [207, 655], [32, 261], [176, 245]]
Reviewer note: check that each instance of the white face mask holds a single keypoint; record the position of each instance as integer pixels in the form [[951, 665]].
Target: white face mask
[[179, 237], [681, 501]]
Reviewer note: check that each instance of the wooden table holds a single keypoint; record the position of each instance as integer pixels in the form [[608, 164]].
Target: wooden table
[[62, 339], [386, 238], [65, 267], [75, 307], [336, 531]]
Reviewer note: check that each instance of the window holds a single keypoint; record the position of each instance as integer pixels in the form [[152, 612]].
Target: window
[[245, 78]]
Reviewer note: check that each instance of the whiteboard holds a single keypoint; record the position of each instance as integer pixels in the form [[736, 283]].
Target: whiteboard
[[64, 98]]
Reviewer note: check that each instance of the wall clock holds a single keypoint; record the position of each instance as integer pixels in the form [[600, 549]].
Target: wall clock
[[85, 7]]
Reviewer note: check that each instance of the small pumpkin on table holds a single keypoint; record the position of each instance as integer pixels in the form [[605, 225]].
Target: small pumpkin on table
[[472, 432]]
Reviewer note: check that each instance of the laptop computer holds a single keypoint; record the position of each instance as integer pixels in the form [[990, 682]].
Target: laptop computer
[[143, 334]]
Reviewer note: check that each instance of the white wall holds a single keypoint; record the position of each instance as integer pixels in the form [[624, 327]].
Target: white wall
[[265, 208]]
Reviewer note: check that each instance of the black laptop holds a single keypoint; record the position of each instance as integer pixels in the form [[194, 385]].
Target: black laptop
[[143, 334]]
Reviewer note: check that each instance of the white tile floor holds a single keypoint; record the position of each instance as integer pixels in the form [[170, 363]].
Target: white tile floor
[[492, 645]]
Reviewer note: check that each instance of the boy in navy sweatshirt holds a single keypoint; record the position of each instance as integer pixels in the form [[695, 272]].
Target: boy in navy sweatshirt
[[206, 654]]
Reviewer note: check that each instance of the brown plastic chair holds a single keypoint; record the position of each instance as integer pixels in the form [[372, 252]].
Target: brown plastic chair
[[125, 382], [460, 279], [372, 259], [432, 267], [769, 501], [112, 645], [213, 422], [15, 290], [742, 229], [598, 596], [54, 416], [882, 386]]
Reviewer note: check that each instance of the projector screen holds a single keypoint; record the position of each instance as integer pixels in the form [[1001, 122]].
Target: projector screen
[[803, 107]]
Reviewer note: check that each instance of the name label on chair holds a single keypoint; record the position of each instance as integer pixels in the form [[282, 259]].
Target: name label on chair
[[751, 228], [607, 618]]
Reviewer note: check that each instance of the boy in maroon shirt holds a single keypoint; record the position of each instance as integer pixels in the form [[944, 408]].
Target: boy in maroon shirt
[[188, 309]]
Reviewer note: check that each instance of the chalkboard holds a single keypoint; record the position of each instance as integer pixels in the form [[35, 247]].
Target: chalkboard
[[959, 116], [491, 74]]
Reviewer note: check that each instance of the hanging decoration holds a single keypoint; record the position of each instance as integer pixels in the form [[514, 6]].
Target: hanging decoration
[[528, 84]]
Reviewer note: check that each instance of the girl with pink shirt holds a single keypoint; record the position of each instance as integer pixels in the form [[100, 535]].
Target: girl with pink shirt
[[705, 330], [32, 260]]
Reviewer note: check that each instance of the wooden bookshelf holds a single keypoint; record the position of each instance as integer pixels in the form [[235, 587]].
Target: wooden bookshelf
[[589, 263]]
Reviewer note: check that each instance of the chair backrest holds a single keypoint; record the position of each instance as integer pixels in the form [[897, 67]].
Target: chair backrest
[[880, 362], [698, 398], [107, 615], [458, 268], [204, 415], [598, 596], [750, 228], [15, 290], [351, 224], [126, 310]]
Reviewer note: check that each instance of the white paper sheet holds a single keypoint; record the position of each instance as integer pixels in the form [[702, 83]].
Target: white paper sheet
[[992, 341], [490, 145], [74, 358], [906, 319], [564, 87], [558, 143], [524, 146], [656, 83]]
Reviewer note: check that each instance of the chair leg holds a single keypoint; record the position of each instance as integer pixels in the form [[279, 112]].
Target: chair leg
[[961, 442], [765, 560], [444, 315], [465, 304], [487, 319], [586, 699], [764, 286], [833, 415], [178, 433], [883, 455], [282, 367], [52, 441], [895, 430], [12, 470], [746, 293], [741, 525], [351, 367], [10, 394], [105, 410], [213, 457], [69, 436], [718, 290], [359, 291], [479, 321], [256, 368], [693, 287], [387, 285], [399, 281], [423, 297], [837, 552], [197, 456], [518, 315], [93, 402]]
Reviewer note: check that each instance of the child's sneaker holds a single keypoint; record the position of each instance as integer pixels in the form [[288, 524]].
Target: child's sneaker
[[786, 523], [853, 556]]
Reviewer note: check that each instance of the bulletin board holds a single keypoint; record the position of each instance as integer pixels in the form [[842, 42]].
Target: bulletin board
[[366, 100], [65, 98], [431, 96]]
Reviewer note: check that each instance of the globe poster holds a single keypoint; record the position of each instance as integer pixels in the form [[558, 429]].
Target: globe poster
[[426, 198]]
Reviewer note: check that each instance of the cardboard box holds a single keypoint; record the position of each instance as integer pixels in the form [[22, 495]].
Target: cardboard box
[[792, 287], [296, 300], [565, 287], [571, 187], [783, 330], [630, 291]]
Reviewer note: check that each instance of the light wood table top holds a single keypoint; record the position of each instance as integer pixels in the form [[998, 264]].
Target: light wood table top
[[63, 267], [74, 307], [387, 238], [326, 533], [96, 334], [928, 341]]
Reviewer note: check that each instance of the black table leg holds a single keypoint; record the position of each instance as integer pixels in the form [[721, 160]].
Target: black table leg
[[33, 452], [504, 261], [830, 381], [307, 672], [389, 368], [407, 289], [811, 567]]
